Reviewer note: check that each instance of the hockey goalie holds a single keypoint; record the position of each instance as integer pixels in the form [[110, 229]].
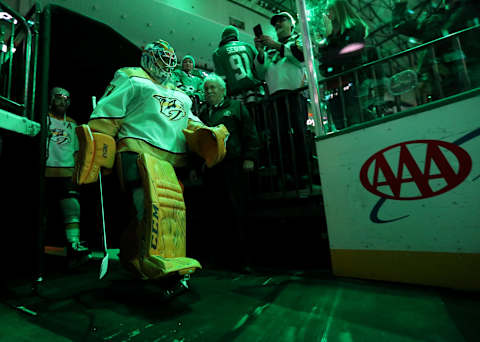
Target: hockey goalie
[[144, 125]]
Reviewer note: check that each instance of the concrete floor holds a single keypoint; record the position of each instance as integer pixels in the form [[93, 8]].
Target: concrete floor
[[267, 305]]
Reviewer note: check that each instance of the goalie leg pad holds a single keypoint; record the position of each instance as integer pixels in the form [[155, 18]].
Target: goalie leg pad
[[162, 231], [164, 208], [96, 150]]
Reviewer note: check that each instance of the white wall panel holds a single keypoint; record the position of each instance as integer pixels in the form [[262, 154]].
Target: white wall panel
[[448, 222]]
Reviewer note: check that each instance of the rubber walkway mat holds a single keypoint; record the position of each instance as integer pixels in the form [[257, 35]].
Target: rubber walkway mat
[[228, 306]]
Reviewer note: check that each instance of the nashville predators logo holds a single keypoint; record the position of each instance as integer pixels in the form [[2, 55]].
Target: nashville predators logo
[[59, 136], [171, 107]]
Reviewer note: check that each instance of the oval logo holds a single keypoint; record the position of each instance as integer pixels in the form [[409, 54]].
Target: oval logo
[[378, 176]]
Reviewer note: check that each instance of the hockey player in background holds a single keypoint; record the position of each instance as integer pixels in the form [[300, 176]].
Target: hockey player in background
[[152, 123], [234, 61], [62, 144]]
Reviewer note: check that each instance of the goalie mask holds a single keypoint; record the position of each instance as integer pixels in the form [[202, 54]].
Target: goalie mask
[[159, 60]]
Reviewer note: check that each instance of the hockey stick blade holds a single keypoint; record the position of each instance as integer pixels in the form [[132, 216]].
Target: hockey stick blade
[[104, 266]]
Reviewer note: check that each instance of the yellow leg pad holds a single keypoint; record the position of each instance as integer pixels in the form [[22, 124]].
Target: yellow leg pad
[[155, 266], [163, 237]]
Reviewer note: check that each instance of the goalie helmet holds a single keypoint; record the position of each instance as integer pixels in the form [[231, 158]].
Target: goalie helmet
[[159, 60]]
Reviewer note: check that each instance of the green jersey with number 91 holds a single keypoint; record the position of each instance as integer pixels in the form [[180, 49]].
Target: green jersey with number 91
[[235, 62]]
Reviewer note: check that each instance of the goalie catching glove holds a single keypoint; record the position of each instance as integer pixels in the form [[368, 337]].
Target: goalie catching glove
[[210, 143]]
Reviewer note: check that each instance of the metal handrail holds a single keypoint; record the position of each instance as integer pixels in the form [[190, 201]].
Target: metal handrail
[[399, 54], [35, 11], [384, 59], [28, 53]]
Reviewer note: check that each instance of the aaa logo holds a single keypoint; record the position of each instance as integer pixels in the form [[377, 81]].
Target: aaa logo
[[378, 176]]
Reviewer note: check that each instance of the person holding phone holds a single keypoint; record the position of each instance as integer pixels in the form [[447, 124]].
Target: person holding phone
[[234, 62], [281, 64]]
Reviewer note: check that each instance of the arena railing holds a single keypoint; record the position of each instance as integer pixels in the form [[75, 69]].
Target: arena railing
[[425, 73], [284, 169], [383, 87]]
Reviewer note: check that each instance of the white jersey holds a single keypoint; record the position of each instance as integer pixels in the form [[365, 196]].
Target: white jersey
[[146, 110], [282, 72], [62, 142]]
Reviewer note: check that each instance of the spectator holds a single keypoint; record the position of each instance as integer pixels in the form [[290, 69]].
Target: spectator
[[226, 183], [234, 61], [280, 64], [341, 50], [186, 80], [450, 57]]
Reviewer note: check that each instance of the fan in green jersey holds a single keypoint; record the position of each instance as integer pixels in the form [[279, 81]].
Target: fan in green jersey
[[187, 81], [234, 61]]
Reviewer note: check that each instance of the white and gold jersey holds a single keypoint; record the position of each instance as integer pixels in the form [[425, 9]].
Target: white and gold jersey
[[62, 142], [136, 107]]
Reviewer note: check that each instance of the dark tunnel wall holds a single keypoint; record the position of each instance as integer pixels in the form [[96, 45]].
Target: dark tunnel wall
[[19, 203], [84, 56]]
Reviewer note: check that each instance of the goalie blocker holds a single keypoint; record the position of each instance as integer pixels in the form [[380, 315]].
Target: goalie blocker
[[96, 150]]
